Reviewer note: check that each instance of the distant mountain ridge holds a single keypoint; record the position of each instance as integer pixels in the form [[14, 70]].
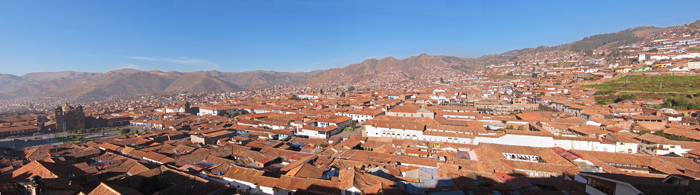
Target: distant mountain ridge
[[373, 69], [261, 79], [196, 82], [389, 69], [84, 85]]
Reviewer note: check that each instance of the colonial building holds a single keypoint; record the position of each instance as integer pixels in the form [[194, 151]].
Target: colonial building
[[331, 94], [69, 118]]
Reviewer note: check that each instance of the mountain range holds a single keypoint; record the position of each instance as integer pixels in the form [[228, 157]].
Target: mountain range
[[86, 85], [391, 69], [423, 65], [132, 81]]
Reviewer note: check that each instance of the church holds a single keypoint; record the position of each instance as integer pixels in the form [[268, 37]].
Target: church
[[69, 118]]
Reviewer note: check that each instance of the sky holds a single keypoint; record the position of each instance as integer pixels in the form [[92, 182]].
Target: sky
[[297, 35]]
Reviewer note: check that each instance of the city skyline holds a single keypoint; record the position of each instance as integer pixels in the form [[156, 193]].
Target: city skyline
[[570, 98], [300, 36]]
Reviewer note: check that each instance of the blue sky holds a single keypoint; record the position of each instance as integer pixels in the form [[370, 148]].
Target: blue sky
[[297, 35]]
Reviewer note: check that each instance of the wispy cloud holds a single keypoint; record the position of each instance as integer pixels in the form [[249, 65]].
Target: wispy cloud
[[134, 66], [204, 64]]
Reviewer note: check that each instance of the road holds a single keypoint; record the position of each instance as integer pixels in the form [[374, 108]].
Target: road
[[49, 139]]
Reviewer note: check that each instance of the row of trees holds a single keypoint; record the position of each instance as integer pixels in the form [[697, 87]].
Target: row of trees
[[227, 115], [510, 127], [681, 103], [90, 130], [612, 98], [672, 137]]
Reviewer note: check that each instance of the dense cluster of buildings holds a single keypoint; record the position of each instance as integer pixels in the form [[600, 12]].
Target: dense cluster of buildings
[[516, 137], [526, 126]]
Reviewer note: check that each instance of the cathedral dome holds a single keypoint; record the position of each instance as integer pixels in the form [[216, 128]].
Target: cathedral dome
[[67, 107]]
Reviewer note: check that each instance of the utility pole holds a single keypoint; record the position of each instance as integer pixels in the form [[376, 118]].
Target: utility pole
[[660, 85]]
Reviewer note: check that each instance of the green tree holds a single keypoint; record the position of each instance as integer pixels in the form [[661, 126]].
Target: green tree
[[351, 88], [352, 124], [602, 101], [624, 97], [124, 131]]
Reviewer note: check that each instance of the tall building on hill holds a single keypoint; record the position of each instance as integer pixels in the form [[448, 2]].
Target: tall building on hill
[[69, 118]]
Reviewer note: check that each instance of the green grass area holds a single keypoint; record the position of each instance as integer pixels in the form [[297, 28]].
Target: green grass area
[[652, 84], [74, 139]]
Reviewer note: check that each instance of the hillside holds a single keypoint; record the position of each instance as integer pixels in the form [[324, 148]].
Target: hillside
[[10, 82], [652, 84], [610, 40], [373, 70], [261, 79], [122, 82], [389, 69], [421, 69], [47, 76], [132, 81], [51, 87], [200, 83], [136, 83]]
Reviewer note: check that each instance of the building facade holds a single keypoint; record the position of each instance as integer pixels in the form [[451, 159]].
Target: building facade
[[69, 118]]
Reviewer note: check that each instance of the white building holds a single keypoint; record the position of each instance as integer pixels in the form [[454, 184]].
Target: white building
[[308, 96], [215, 110], [360, 116], [339, 121], [679, 69], [657, 145], [416, 131], [319, 132], [693, 65]]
